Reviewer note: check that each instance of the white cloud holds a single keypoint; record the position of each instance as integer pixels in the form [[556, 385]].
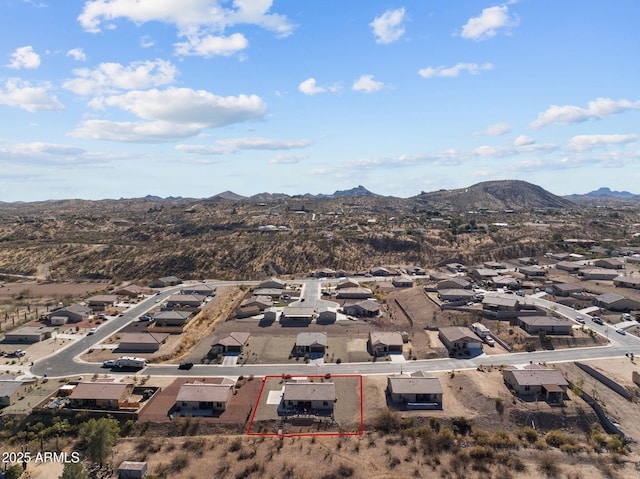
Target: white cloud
[[112, 77], [590, 142], [24, 57], [599, 108], [310, 87], [233, 145], [454, 71], [201, 21], [523, 140], [486, 25], [135, 132], [388, 27], [212, 45], [502, 151], [146, 41], [287, 159], [495, 130], [22, 94], [367, 84], [184, 105], [40, 148], [77, 54]]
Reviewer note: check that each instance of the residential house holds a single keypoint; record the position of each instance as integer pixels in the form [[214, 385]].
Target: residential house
[[494, 303], [506, 281], [382, 343], [10, 391], [566, 289], [609, 263], [185, 301], [325, 273], [273, 293], [354, 293], [587, 274], [483, 274], [273, 283], [616, 302], [533, 271], [305, 397], [311, 343], [455, 295], [171, 318], [131, 291], [368, 308], [453, 283], [247, 311], [544, 324], [569, 266], [74, 314], [142, 342], [536, 382], [558, 256], [627, 282], [327, 314], [347, 283], [416, 391], [203, 397], [528, 261], [494, 265], [415, 270], [456, 267], [262, 302], [230, 344], [402, 281], [379, 271], [198, 290], [30, 334], [166, 281], [100, 395], [460, 341], [100, 302]]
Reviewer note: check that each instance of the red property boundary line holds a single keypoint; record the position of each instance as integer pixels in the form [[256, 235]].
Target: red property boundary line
[[360, 432]]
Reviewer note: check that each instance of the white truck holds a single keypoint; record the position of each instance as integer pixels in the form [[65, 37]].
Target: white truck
[[130, 362]]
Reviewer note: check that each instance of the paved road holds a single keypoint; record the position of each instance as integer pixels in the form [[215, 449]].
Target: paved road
[[66, 363]]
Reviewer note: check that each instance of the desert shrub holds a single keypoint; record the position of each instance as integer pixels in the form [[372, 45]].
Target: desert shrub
[[528, 434], [504, 439], [387, 421], [557, 438], [462, 425], [236, 445], [481, 453], [548, 465]]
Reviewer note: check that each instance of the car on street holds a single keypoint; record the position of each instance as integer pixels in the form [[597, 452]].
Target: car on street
[[186, 365], [109, 363], [580, 319], [621, 331], [92, 331], [597, 320]]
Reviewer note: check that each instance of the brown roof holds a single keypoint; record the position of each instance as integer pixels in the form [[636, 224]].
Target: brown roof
[[458, 333], [537, 377], [390, 338], [308, 391], [204, 392], [99, 390]]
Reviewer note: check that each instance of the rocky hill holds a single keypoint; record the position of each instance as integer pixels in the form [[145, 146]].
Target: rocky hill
[[495, 195]]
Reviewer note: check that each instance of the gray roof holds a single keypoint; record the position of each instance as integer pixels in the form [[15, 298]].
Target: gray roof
[[308, 391], [544, 321], [173, 315], [538, 377], [99, 390], [458, 333], [609, 298], [7, 388], [298, 312], [414, 385], [144, 338], [232, 339], [389, 338], [204, 392]]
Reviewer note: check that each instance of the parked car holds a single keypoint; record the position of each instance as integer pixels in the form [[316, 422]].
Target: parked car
[[626, 316], [18, 353], [186, 365], [92, 331], [490, 341], [109, 363]]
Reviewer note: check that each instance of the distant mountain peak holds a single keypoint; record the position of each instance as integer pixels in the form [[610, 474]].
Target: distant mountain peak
[[357, 191], [228, 195], [608, 193]]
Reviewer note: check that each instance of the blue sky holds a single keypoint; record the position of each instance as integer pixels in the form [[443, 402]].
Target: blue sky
[[124, 98]]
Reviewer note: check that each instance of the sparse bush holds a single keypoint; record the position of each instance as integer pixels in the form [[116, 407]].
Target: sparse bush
[[387, 421]]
